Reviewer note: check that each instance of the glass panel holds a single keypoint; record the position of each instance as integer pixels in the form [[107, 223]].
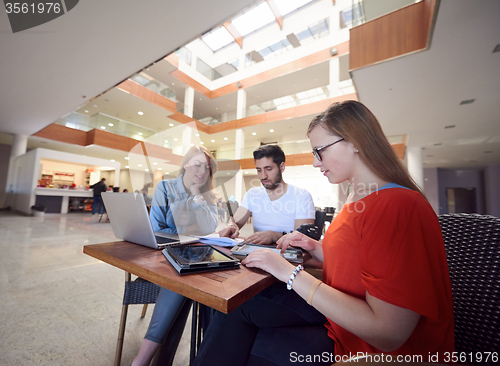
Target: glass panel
[[254, 19], [218, 38]]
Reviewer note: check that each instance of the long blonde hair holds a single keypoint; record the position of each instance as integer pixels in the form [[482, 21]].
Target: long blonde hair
[[209, 185], [354, 122]]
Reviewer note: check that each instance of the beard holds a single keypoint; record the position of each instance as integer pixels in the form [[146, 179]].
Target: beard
[[272, 185]]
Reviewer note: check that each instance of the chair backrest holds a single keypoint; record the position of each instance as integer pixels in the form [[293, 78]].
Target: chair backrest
[[472, 244], [319, 221]]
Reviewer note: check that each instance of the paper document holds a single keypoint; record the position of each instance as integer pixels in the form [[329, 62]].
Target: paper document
[[215, 239]]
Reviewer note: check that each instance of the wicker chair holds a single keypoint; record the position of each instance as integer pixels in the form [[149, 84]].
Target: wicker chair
[[138, 291], [473, 251]]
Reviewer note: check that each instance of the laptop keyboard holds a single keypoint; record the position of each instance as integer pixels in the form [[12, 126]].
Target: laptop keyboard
[[163, 240]]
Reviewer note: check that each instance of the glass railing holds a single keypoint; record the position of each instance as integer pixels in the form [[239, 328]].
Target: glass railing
[[105, 123], [154, 85]]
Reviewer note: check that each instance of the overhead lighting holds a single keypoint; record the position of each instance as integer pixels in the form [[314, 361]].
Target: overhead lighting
[[166, 141], [212, 140], [246, 172], [254, 133], [86, 111], [139, 165], [160, 169], [140, 113], [95, 105], [225, 138], [146, 170], [468, 101], [140, 133], [171, 124], [113, 160], [155, 163], [127, 158], [176, 139], [110, 124], [197, 135], [126, 166], [103, 128], [201, 142], [271, 130]]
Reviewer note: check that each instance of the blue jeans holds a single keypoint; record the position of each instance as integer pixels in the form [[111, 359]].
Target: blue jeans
[[230, 337], [97, 202], [167, 307]]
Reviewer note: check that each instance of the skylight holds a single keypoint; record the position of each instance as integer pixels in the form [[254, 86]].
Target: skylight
[[218, 38], [287, 6], [254, 19]]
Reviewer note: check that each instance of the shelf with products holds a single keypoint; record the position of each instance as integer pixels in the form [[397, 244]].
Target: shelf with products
[[64, 177]]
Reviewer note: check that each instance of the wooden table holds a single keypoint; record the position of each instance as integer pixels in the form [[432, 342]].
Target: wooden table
[[222, 290]]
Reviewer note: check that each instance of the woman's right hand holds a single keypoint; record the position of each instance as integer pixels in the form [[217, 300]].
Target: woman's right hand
[[230, 232], [296, 239]]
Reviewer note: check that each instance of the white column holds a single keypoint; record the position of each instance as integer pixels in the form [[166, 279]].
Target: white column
[[239, 143], [186, 139], [241, 104], [19, 147], [189, 102], [334, 77], [415, 166]]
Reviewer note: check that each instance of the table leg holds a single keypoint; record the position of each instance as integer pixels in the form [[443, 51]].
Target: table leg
[[194, 328], [196, 322]]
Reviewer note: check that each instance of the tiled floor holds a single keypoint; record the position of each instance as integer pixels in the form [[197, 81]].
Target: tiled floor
[[59, 306]]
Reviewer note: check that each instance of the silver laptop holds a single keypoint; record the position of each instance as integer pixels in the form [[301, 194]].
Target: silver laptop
[[130, 221]]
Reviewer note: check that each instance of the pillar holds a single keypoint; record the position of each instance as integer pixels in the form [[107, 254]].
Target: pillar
[[19, 147], [239, 143], [189, 101], [334, 65]]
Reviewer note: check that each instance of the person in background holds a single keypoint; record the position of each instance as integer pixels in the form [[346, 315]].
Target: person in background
[[125, 190], [385, 286], [232, 207], [98, 188], [277, 207], [184, 205]]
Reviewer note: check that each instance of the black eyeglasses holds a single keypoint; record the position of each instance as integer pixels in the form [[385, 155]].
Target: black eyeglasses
[[316, 151]]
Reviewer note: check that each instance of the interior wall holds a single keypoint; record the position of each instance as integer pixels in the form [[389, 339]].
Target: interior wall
[[431, 188], [491, 179], [461, 178]]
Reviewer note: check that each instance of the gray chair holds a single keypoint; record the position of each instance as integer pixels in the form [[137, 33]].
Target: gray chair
[[138, 291], [472, 245], [473, 251]]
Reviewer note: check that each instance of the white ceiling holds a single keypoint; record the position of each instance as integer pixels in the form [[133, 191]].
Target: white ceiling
[[418, 94], [51, 70]]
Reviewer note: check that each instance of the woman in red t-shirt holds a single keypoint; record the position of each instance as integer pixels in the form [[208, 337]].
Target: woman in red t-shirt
[[385, 285]]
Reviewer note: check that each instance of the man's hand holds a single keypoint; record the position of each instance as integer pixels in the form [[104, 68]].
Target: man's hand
[[230, 231], [263, 237], [295, 239]]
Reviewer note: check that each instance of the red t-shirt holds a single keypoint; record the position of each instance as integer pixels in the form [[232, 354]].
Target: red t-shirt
[[390, 245]]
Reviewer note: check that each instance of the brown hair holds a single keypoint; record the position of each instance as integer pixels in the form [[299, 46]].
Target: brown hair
[[354, 122], [193, 151]]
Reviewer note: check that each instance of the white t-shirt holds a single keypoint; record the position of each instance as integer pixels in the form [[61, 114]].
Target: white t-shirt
[[278, 215]]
